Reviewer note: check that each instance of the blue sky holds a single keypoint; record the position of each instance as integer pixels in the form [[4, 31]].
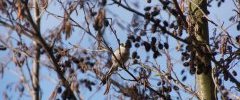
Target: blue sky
[[48, 77]]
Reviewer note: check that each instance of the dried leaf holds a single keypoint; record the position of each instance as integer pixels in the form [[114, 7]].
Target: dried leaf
[[223, 45], [3, 5], [19, 10], [99, 21], [182, 5], [68, 29], [107, 88]]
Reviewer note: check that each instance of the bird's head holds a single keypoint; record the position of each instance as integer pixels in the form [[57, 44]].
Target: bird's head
[[123, 45], [127, 44]]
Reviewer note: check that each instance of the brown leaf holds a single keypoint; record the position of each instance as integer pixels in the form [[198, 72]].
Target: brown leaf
[[3, 5], [68, 29], [107, 88], [19, 10], [182, 5], [223, 45], [99, 21]]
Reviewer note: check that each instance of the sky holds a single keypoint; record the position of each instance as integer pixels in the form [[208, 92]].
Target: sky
[[48, 77]]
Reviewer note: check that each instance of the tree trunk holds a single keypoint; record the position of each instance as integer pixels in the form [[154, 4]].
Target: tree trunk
[[197, 11], [36, 64], [35, 73]]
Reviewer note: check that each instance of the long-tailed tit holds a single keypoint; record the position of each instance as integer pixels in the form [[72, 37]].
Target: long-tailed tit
[[119, 58]]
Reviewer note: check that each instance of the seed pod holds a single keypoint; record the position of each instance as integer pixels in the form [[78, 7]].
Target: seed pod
[[229, 48], [219, 82], [154, 40], [154, 28], [147, 15], [137, 45], [3, 48], [192, 70], [155, 12], [175, 88], [165, 23], [67, 63], [135, 61], [166, 45], [59, 90], [174, 12], [160, 46], [138, 57], [131, 37], [134, 54], [156, 54], [238, 26], [172, 25], [147, 8], [154, 48], [147, 46], [225, 76], [169, 89], [159, 83], [238, 39], [184, 78], [106, 23], [138, 38], [182, 72], [186, 64], [149, 1], [234, 73], [157, 21], [142, 33]]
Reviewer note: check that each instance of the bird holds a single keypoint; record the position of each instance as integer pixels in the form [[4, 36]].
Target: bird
[[119, 57]]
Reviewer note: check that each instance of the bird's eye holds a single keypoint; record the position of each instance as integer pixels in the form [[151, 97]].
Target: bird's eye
[[121, 44]]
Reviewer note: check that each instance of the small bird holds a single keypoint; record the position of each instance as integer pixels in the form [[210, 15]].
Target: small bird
[[120, 56]]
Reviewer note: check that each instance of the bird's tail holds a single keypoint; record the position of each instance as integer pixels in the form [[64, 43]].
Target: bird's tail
[[107, 76]]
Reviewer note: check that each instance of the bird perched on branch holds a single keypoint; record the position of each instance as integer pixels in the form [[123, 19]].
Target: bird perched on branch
[[119, 57]]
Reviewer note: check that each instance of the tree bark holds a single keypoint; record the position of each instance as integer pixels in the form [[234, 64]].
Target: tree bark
[[197, 11], [36, 65], [35, 73]]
